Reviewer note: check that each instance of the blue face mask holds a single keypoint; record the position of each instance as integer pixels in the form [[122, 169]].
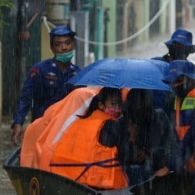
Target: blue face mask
[[64, 57]]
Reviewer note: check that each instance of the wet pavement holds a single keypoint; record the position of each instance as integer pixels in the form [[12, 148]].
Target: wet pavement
[[6, 187]]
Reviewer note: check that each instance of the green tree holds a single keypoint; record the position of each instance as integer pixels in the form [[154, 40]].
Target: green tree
[[4, 4]]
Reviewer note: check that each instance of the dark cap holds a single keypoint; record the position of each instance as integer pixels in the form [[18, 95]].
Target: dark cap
[[61, 31], [181, 36], [178, 68]]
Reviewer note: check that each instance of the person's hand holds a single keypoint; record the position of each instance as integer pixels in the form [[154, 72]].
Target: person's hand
[[162, 172], [190, 164], [17, 133], [141, 156]]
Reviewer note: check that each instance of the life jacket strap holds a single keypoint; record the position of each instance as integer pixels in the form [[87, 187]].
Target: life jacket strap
[[87, 166]]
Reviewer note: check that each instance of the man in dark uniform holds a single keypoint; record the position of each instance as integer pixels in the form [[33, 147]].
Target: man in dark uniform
[[179, 47], [47, 80], [181, 78]]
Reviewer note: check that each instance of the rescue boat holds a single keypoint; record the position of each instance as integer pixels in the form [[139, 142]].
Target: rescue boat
[[30, 181]]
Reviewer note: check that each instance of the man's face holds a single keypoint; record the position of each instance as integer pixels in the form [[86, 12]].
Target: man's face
[[180, 86], [62, 44], [178, 51]]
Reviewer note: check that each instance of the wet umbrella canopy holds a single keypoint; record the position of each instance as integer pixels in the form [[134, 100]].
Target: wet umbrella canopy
[[121, 73]]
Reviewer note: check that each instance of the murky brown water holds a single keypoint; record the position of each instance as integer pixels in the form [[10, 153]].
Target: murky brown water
[[6, 187]]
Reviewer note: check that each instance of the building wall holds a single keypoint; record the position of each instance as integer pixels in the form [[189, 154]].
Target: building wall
[[45, 43], [142, 10], [57, 12]]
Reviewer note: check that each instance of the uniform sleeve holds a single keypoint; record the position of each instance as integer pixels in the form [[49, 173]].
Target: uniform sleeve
[[193, 130], [77, 69], [26, 96], [168, 154]]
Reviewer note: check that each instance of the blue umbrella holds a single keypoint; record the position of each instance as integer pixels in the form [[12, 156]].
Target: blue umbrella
[[122, 73]]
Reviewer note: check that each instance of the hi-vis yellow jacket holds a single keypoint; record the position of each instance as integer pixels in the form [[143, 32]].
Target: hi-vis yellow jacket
[[183, 112]]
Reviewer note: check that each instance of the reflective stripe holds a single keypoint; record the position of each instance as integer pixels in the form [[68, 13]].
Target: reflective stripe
[[71, 119], [178, 111], [188, 103], [181, 131]]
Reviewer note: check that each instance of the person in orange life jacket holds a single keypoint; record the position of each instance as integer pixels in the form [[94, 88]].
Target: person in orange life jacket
[[145, 145], [47, 81], [82, 155], [181, 77], [179, 47], [41, 136]]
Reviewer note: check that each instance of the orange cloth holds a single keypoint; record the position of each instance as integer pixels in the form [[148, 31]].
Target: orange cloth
[[182, 130], [190, 164], [125, 92], [80, 145], [42, 135]]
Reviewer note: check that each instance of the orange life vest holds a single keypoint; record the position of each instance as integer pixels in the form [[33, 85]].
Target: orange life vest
[[41, 136], [182, 113], [81, 157]]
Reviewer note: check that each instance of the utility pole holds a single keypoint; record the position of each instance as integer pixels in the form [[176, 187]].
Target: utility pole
[[172, 21], [58, 11], [99, 33], [179, 14], [106, 21], [22, 36], [126, 19]]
